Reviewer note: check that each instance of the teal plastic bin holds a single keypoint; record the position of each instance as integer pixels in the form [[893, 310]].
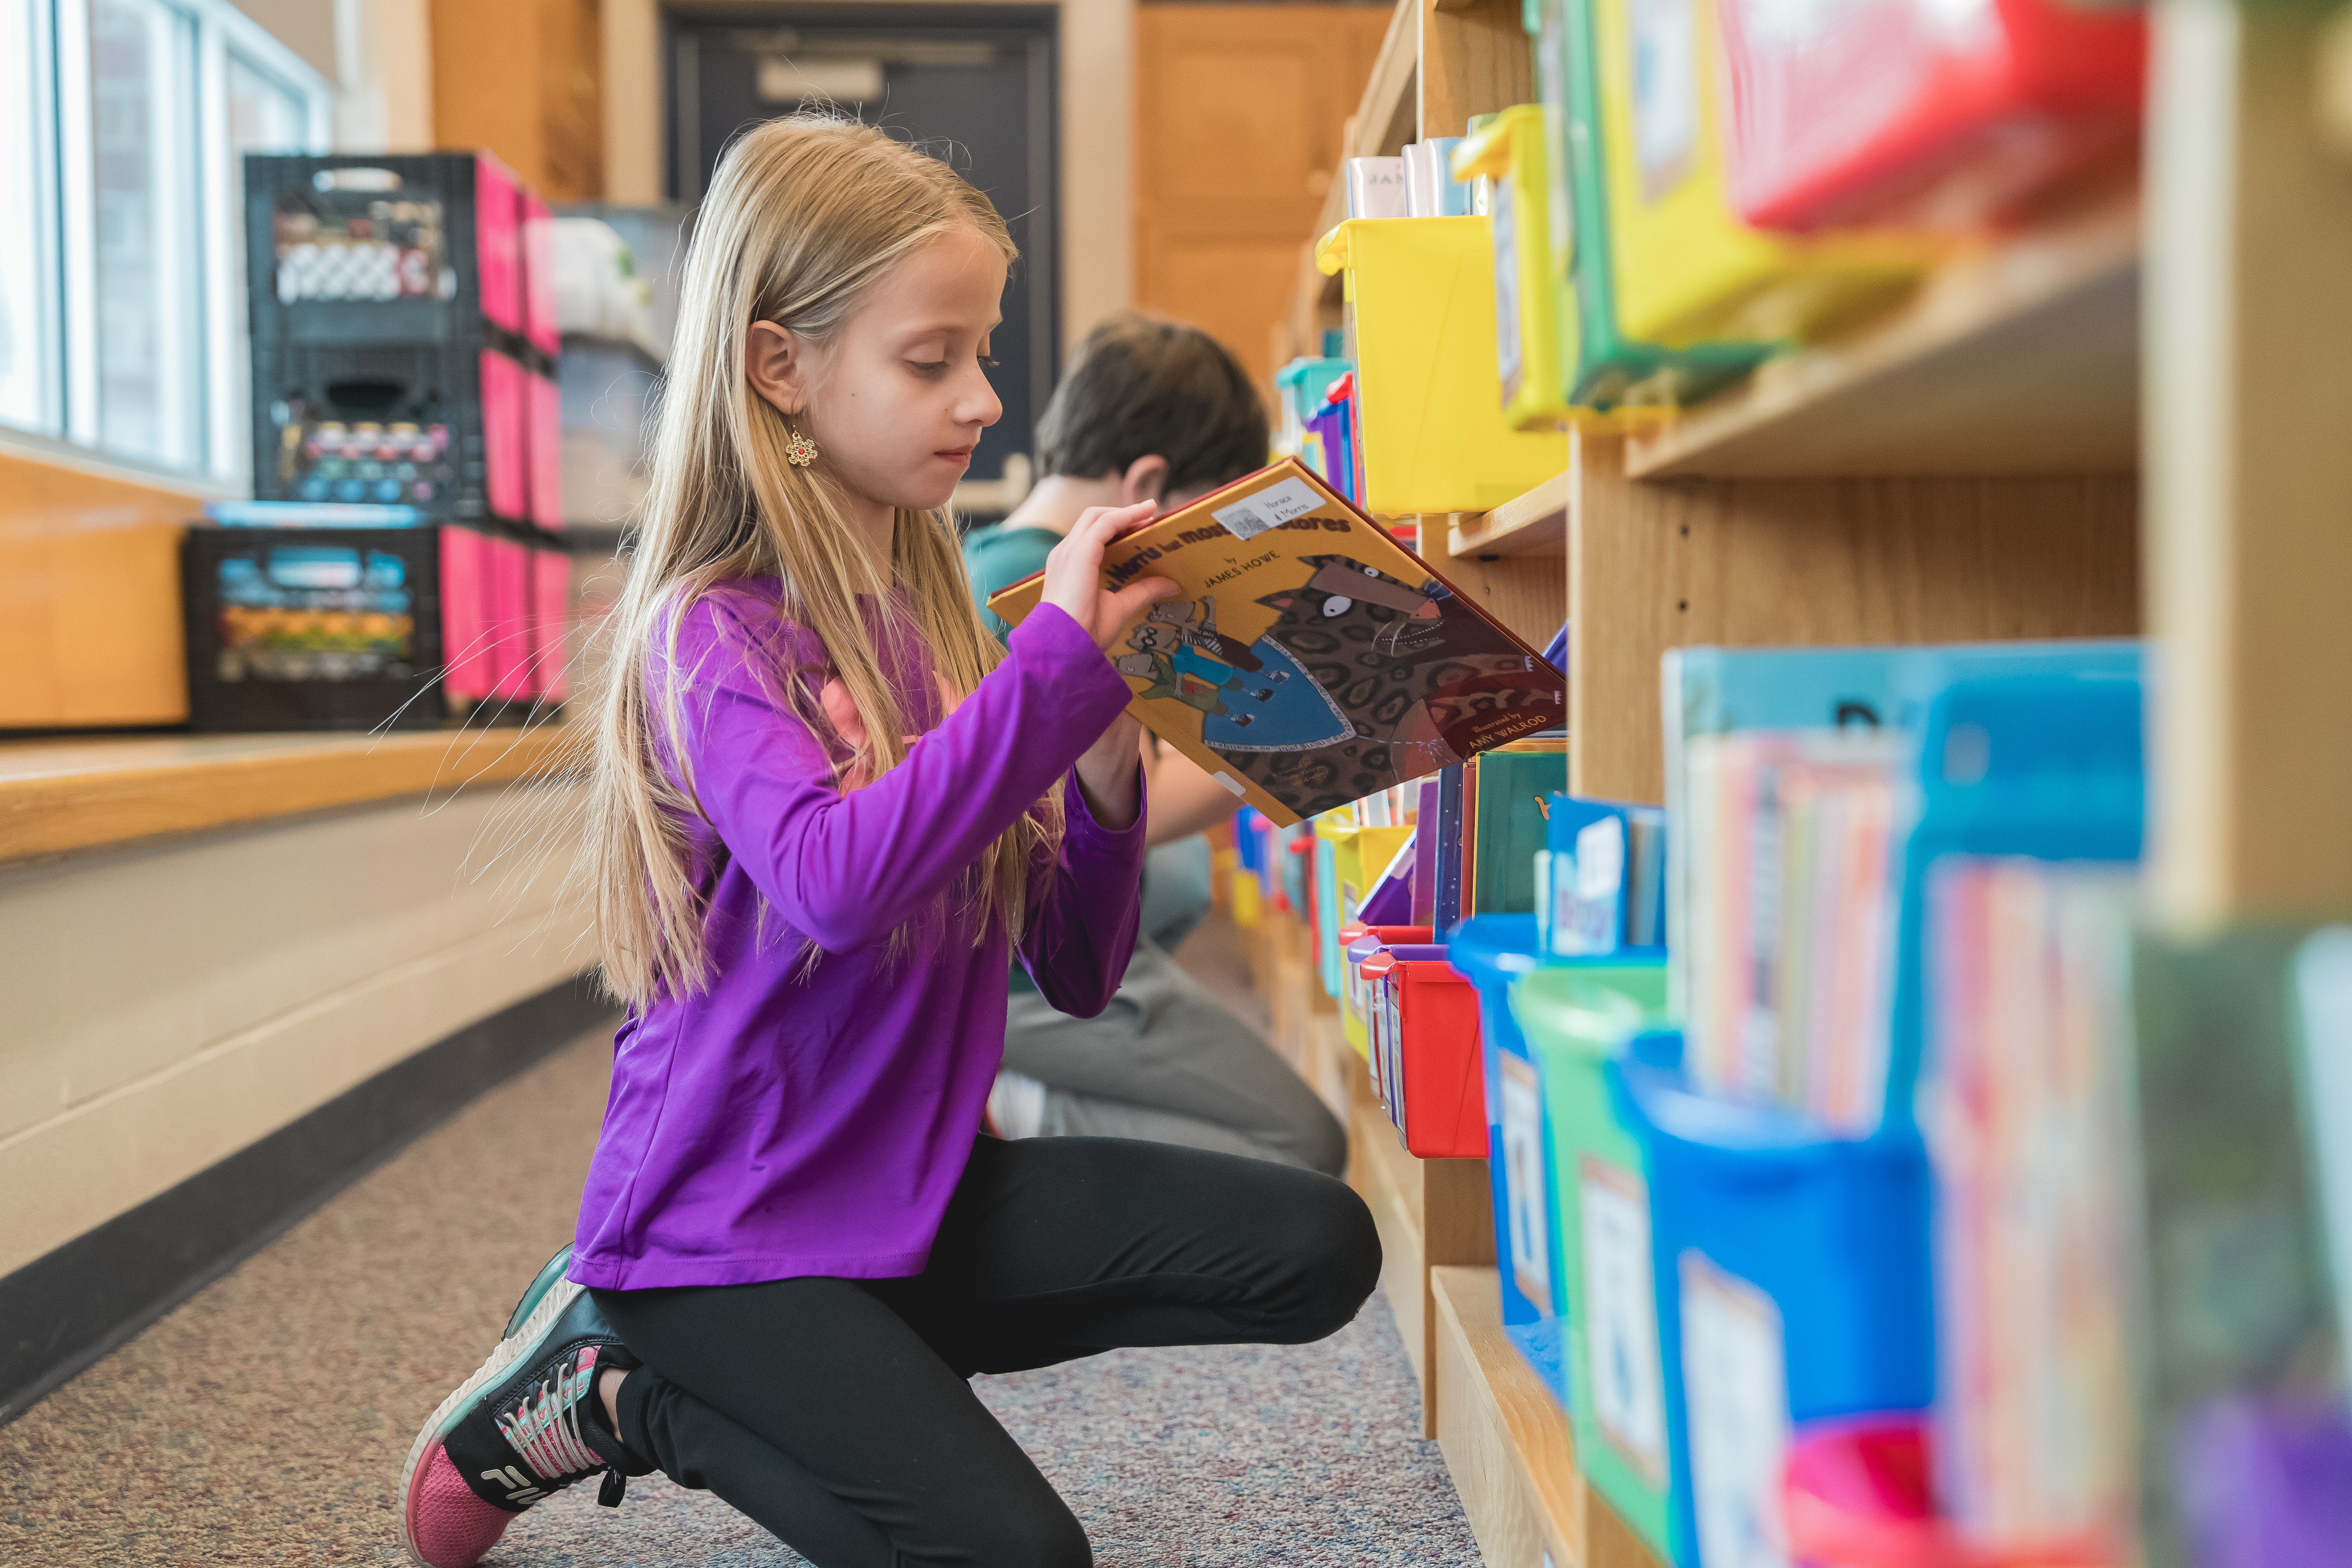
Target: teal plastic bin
[[1575, 1021]]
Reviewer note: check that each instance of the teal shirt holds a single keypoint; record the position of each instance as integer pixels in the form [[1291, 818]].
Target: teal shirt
[[996, 557]]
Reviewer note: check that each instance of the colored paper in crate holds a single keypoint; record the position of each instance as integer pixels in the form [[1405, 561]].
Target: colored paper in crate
[[325, 628], [2024, 1106], [1308, 659]]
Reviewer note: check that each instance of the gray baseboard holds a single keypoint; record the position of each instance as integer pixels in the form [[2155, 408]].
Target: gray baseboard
[[67, 1308]]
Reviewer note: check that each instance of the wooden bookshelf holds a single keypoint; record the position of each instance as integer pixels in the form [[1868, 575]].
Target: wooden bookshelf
[[1535, 523], [1431, 1214], [1504, 1436], [1968, 465], [2020, 356]]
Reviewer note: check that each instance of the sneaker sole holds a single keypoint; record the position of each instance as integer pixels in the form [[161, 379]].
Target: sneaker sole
[[510, 1350]]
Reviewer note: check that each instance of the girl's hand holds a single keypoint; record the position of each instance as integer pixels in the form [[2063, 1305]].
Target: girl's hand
[[1074, 577]]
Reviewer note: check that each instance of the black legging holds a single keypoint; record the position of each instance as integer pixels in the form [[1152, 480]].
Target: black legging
[[836, 1412]]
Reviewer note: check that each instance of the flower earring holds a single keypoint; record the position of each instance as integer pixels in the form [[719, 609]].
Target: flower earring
[[799, 450]]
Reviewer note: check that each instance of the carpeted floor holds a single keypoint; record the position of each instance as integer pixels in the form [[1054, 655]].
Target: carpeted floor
[[265, 1421]]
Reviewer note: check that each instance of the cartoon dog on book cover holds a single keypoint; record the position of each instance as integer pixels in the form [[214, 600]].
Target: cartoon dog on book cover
[[1361, 681]]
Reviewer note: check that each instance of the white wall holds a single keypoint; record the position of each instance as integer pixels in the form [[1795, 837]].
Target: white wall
[[1098, 118], [170, 1003]]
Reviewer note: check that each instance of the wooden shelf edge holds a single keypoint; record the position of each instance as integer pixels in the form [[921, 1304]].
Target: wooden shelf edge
[[1385, 116], [146, 788], [2092, 248], [1490, 1404], [1535, 523]]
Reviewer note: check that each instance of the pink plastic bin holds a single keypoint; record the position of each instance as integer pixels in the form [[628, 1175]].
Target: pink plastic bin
[[543, 446], [510, 582], [498, 241], [464, 615], [550, 619], [538, 274], [1858, 1493], [505, 420]]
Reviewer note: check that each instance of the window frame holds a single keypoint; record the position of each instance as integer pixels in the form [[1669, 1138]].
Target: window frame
[[64, 237]]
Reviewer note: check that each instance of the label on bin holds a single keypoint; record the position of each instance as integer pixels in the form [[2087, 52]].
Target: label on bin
[[1620, 1333], [1735, 1392], [1269, 508], [1523, 1181]]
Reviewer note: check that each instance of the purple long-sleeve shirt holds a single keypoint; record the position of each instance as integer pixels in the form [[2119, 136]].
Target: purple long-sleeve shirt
[[786, 1121]]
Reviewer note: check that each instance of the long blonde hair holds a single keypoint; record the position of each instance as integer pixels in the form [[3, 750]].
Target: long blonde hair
[[803, 214]]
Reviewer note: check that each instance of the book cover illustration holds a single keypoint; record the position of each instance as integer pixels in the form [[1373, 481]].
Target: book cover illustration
[[1308, 659]]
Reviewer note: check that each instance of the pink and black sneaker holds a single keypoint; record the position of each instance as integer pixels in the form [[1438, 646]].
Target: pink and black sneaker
[[528, 1424]]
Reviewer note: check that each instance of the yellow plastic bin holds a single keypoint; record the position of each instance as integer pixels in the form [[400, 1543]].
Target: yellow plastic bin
[[1422, 292], [1529, 348], [1358, 854], [1688, 270]]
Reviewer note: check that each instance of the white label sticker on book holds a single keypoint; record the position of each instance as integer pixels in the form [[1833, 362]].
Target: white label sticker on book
[[1523, 1181], [1620, 1333], [1269, 508], [1735, 1389]]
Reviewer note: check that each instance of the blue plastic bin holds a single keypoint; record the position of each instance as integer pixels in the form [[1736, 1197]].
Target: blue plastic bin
[[1793, 1282], [2048, 763], [1491, 952]]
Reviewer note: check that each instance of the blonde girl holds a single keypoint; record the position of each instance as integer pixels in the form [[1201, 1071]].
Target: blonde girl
[[826, 809]]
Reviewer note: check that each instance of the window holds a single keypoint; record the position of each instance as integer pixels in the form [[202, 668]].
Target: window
[[123, 124], [28, 371]]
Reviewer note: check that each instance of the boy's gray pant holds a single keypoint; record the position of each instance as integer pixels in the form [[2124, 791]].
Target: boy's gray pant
[[1164, 1063]]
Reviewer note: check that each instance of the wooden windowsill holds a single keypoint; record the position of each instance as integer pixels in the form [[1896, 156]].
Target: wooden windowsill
[[58, 797]]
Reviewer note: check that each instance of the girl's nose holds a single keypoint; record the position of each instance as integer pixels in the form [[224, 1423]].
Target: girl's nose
[[978, 403]]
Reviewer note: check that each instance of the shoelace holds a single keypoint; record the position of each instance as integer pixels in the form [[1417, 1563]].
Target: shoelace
[[544, 1427]]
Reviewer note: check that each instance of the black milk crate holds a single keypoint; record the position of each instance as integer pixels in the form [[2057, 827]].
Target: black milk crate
[[438, 426], [314, 628], [423, 247]]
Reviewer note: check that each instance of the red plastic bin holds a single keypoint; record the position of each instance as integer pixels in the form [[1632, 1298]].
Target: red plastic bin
[[1359, 942], [1426, 1067], [1905, 113]]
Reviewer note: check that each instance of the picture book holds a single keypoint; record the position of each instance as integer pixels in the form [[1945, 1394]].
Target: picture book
[[1726, 690], [1308, 659], [1506, 793], [1600, 882]]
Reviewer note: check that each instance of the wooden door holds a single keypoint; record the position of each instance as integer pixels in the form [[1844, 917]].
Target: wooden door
[[1239, 111]]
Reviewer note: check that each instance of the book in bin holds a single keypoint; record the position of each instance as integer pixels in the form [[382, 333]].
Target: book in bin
[[1308, 659]]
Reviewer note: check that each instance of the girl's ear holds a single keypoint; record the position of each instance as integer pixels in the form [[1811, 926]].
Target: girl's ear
[[775, 362]]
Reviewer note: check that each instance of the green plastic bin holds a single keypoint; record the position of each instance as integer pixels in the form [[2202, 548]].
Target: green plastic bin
[[1577, 1019]]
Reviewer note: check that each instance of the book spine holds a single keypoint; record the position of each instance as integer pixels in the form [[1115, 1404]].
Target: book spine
[[1445, 911]]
